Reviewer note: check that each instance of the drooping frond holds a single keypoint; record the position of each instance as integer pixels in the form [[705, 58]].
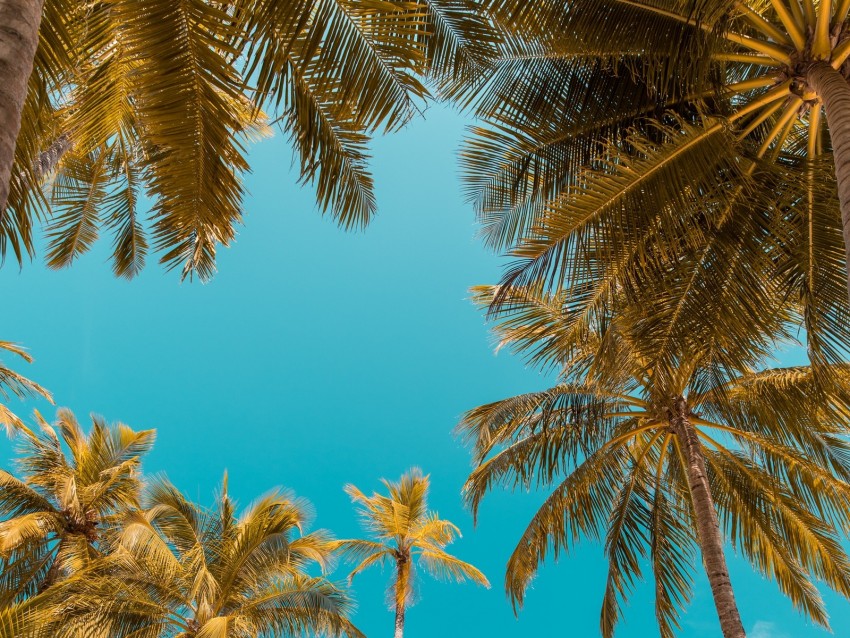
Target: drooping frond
[[444, 566], [185, 88], [15, 384]]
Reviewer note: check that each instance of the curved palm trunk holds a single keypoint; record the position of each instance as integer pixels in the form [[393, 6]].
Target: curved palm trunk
[[401, 585], [19, 23], [708, 527], [834, 93]]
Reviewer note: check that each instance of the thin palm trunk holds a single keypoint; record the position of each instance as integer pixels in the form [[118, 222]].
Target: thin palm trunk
[[834, 93], [19, 23], [708, 527], [53, 573], [401, 584]]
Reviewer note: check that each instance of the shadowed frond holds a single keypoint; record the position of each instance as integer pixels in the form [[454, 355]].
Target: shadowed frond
[[177, 565]]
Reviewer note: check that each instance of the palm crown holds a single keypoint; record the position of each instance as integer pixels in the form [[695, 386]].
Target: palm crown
[[13, 383], [613, 444], [404, 531], [70, 489], [178, 569]]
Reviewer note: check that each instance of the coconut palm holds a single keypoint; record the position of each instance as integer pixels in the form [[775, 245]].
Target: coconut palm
[[402, 530], [69, 489], [668, 462], [616, 130], [151, 97], [12, 383], [178, 569]]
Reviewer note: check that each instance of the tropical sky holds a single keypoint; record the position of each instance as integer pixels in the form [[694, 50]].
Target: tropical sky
[[317, 358]]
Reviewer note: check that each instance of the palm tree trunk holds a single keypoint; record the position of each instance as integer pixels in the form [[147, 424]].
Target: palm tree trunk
[[19, 23], [53, 572], [834, 92], [399, 621], [708, 527], [401, 584]]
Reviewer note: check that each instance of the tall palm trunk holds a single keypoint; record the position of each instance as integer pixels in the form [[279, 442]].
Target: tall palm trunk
[[19, 23], [834, 93], [708, 527], [401, 585]]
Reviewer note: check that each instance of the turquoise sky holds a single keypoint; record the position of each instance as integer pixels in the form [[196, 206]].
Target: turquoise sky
[[317, 358]]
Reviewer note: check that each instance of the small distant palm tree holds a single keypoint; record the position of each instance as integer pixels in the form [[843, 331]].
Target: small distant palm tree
[[179, 569], [404, 529], [51, 517], [12, 383]]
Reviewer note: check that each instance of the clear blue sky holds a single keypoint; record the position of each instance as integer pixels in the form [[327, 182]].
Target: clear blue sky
[[317, 358]]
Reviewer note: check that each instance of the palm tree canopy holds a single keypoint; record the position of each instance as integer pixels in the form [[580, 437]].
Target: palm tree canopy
[[600, 444], [15, 384], [403, 529], [177, 568], [160, 99], [68, 489], [666, 146]]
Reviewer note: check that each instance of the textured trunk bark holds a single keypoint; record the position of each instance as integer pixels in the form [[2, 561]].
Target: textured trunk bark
[[399, 621], [19, 23], [834, 93], [400, 594], [49, 159], [708, 527]]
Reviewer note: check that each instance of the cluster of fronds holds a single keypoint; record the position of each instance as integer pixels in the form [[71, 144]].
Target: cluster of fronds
[[626, 147], [139, 113], [404, 533], [601, 446], [89, 548]]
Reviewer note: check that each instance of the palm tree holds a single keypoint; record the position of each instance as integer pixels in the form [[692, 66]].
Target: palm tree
[[617, 129], [12, 383], [668, 461], [132, 97], [54, 515], [178, 569], [403, 531]]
